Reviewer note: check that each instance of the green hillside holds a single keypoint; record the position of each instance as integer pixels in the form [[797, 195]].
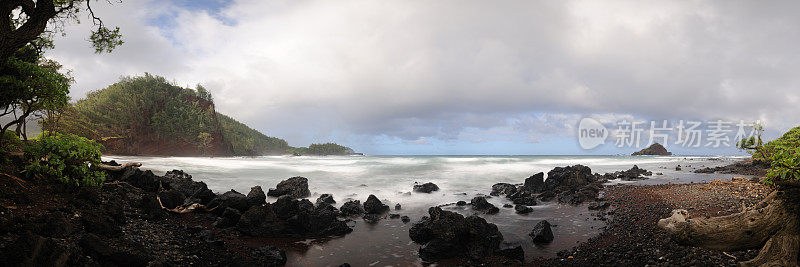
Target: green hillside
[[147, 115], [248, 141]]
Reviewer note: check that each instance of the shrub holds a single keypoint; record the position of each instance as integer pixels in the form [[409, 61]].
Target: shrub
[[65, 157], [10, 142], [785, 166]]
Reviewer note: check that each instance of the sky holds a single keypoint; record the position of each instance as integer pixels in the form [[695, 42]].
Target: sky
[[461, 77]]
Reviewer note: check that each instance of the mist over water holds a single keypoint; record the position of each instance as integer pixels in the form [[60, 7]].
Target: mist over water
[[391, 179]]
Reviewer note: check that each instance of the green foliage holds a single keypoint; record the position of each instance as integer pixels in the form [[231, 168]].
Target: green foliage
[[65, 157], [783, 154], [150, 109], [29, 85], [144, 108], [244, 140], [10, 142], [785, 166], [105, 40], [203, 93], [787, 142], [754, 142], [205, 140], [322, 149]]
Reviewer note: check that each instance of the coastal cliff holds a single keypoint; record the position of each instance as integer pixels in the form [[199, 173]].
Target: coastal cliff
[[147, 115]]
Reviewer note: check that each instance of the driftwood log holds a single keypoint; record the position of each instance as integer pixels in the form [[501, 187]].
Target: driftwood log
[[771, 225], [107, 167]]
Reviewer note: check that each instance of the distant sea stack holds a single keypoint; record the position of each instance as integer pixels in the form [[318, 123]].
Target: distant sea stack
[[654, 149]]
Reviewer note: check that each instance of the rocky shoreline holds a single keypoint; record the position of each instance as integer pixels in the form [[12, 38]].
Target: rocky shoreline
[[632, 238], [138, 218]]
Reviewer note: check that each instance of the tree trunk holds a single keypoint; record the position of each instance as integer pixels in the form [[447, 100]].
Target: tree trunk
[[772, 225]]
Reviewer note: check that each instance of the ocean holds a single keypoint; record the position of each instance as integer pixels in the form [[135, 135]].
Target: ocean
[[391, 178]]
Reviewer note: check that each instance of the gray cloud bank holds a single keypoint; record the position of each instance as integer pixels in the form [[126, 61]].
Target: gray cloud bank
[[453, 70]]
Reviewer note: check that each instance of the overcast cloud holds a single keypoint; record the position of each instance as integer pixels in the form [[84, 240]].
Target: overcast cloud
[[398, 76]]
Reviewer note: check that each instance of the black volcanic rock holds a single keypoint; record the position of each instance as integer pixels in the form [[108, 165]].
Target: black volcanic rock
[[352, 207], [374, 205], [325, 198], [480, 203], [522, 209], [535, 183], [256, 196], [655, 149], [230, 199], [446, 234], [542, 233], [289, 217], [296, 187], [426, 188], [503, 189]]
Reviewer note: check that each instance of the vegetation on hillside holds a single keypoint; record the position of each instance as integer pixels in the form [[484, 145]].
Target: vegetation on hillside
[[248, 141], [148, 109], [139, 110], [322, 150]]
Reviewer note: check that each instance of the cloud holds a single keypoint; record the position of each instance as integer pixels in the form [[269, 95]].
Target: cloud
[[452, 70]]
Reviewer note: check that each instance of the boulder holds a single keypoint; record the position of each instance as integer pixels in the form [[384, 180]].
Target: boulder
[[100, 249], [397, 206], [405, 219], [171, 198], [374, 205], [229, 218], [144, 180], [195, 192], [33, 250], [535, 183], [372, 217], [325, 198], [547, 196], [523, 197], [426, 188], [522, 209], [296, 187], [503, 189], [461, 203], [256, 196], [480, 203], [231, 199], [542, 233], [289, 217], [352, 207], [633, 174], [446, 234], [271, 256]]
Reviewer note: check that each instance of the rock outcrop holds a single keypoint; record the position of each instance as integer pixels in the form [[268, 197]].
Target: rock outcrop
[[542, 233], [374, 205], [446, 234], [635, 173], [426, 187], [655, 149], [296, 187], [289, 217]]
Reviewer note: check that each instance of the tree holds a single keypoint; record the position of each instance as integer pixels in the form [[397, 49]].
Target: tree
[[204, 94], [31, 84], [772, 225], [28, 22]]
